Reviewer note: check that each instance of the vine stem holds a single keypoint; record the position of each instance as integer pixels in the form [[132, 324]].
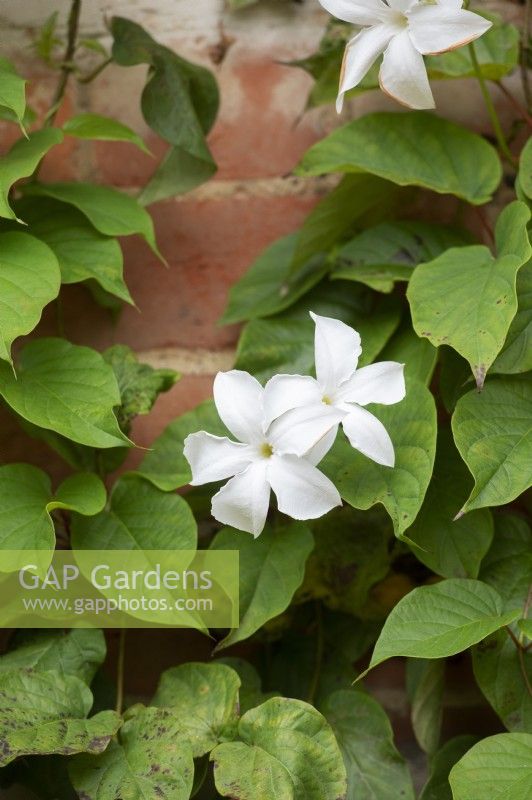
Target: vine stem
[[314, 683], [495, 122], [521, 110], [120, 671], [525, 37], [67, 67]]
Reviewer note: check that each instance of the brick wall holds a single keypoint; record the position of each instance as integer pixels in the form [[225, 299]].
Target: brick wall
[[211, 235]]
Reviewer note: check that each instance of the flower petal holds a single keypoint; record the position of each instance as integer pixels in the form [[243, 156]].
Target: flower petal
[[438, 28], [320, 450], [244, 500], [382, 382], [359, 56], [303, 492], [284, 392], [358, 12], [297, 431], [367, 434], [403, 75], [238, 398], [337, 350], [401, 5], [214, 458]]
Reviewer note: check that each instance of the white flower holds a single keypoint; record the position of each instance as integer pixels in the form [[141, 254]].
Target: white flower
[[405, 31], [340, 385], [267, 456]]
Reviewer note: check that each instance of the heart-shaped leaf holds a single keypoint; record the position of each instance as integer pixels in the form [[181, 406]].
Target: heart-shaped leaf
[[149, 759], [415, 149], [26, 501], [441, 620], [467, 299], [44, 712], [493, 432], [287, 751], [205, 698], [67, 389], [499, 767], [12, 90]]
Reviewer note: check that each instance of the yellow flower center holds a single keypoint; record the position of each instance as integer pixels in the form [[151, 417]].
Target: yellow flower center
[[266, 450], [327, 400]]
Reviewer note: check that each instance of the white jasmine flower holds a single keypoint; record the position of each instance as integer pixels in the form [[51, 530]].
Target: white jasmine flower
[[267, 456], [405, 31], [340, 385]]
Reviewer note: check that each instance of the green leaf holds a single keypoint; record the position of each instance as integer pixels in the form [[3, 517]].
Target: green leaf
[[29, 280], [525, 169], [358, 200], [466, 298], [286, 343], [139, 384], [77, 652], [441, 620], [499, 767], [67, 389], [271, 569], [47, 40], [205, 697], [267, 287], [437, 786], [27, 500], [21, 161], [493, 432], [111, 212], [401, 490], [287, 751], [165, 465], [418, 355], [82, 252], [149, 759], [500, 672], [415, 149], [453, 549], [44, 712], [525, 626], [386, 253], [351, 554], [425, 682], [375, 769], [516, 354], [179, 102], [513, 538], [95, 126], [12, 90], [140, 517]]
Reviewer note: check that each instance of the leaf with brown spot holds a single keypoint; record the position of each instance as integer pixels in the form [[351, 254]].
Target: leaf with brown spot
[[45, 712], [150, 758]]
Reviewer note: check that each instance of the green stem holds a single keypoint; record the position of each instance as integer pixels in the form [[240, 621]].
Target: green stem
[[120, 671], [525, 38], [314, 683], [95, 72], [497, 129], [67, 66]]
